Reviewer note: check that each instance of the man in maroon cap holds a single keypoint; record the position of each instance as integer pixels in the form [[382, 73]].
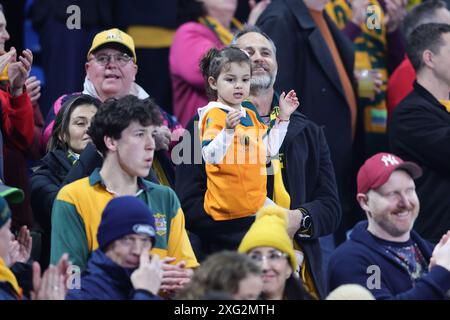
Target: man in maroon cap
[[383, 253]]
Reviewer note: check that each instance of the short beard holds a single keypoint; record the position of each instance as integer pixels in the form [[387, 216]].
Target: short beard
[[261, 83]]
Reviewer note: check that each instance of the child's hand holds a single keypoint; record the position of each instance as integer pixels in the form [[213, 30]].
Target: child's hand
[[288, 104], [233, 119]]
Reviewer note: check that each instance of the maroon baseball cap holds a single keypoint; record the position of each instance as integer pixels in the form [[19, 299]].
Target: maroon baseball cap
[[378, 168]]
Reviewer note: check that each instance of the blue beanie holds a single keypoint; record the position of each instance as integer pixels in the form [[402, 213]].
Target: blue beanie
[[5, 213], [123, 216]]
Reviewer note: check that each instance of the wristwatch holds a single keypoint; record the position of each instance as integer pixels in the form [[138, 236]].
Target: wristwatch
[[305, 229]]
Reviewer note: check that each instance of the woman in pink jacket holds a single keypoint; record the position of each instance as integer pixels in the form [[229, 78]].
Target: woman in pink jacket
[[204, 24]]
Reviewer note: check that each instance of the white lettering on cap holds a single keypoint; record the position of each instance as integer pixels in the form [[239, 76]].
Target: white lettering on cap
[[389, 160], [145, 229], [114, 36]]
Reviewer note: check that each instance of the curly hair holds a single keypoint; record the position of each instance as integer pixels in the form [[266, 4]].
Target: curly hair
[[115, 115]]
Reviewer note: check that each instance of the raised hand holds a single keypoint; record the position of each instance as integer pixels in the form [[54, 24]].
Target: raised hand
[[20, 249], [18, 71], [359, 11], [48, 287], [233, 119], [149, 274], [288, 104], [162, 137], [255, 10], [395, 13], [33, 86]]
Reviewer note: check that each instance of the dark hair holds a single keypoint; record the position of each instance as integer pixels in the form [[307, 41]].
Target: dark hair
[[248, 29], [214, 61], [295, 289], [425, 37], [220, 272], [189, 10], [421, 14], [62, 121], [115, 115]]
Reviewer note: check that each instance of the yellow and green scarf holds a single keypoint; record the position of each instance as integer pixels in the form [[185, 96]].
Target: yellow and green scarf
[[6, 275], [222, 33], [370, 53]]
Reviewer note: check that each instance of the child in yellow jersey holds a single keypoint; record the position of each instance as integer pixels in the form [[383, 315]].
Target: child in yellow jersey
[[235, 142]]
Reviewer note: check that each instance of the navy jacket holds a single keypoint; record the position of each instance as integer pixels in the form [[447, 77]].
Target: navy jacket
[[350, 262], [105, 280], [6, 292], [419, 131], [307, 175], [305, 64]]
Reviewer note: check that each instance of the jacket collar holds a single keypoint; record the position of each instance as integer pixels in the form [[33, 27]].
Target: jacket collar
[[362, 235], [319, 46], [419, 89], [57, 158], [100, 263]]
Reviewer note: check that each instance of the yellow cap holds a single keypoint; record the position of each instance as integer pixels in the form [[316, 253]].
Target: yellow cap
[[113, 36], [270, 230]]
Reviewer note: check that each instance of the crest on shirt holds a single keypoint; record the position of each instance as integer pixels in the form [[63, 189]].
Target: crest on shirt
[[160, 224]]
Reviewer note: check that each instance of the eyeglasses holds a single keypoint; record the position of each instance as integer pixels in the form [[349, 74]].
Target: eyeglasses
[[121, 59], [131, 241], [273, 257]]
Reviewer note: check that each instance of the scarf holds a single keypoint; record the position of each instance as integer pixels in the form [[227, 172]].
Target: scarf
[[370, 53], [6, 275], [135, 90], [446, 104], [225, 36]]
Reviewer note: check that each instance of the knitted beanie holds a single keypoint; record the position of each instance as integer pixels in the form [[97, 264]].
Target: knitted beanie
[[270, 230], [124, 216]]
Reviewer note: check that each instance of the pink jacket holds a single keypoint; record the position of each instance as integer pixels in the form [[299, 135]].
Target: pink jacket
[[192, 40]]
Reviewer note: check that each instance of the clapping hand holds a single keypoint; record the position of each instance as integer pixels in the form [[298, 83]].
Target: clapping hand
[[18, 71], [33, 86], [20, 249]]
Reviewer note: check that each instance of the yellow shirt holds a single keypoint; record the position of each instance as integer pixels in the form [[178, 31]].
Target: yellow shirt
[[236, 187]]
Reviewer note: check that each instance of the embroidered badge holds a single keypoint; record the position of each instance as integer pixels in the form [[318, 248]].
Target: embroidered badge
[[160, 224]]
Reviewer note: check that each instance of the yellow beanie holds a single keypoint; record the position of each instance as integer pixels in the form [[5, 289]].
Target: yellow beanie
[[270, 230]]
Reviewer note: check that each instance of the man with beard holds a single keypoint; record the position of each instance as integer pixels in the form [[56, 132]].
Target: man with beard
[[384, 254], [305, 182]]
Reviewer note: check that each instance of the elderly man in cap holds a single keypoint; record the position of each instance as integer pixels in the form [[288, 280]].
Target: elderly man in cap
[[384, 254], [111, 69], [122, 268]]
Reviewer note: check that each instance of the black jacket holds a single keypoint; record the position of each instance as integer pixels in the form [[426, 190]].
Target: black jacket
[[45, 184], [419, 131], [308, 177], [305, 64]]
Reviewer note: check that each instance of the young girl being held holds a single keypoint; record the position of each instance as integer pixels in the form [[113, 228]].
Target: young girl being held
[[235, 142]]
